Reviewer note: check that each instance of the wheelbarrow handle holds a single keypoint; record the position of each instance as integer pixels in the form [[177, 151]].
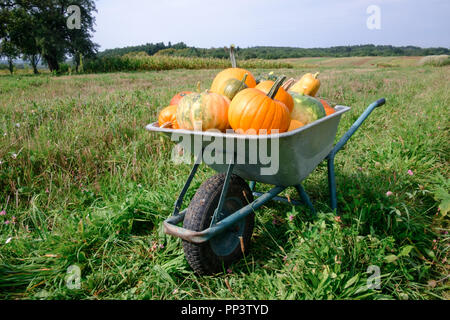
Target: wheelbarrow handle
[[340, 144], [355, 126]]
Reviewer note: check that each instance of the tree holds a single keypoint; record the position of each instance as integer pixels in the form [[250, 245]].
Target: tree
[[80, 44], [39, 28], [10, 51], [23, 31]]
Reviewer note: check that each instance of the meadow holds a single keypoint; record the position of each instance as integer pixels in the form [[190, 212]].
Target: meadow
[[82, 183]]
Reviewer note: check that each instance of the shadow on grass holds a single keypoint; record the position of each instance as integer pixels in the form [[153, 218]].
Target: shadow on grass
[[141, 227], [362, 198]]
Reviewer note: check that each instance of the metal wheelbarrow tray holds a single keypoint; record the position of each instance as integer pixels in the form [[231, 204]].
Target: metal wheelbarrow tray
[[218, 223]]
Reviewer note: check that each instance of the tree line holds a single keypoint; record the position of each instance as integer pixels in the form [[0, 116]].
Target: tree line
[[149, 48], [36, 30], [182, 50]]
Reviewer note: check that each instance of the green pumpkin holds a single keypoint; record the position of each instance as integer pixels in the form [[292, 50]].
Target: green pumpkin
[[307, 109], [232, 87]]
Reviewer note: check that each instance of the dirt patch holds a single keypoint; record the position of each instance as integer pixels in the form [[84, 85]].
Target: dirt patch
[[362, 61]]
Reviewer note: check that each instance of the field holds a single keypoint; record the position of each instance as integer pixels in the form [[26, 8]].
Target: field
[[354, 62], [83, 184], [141, 61]]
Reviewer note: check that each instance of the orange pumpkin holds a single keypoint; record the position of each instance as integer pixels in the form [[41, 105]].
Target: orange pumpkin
[[253, 109], [230, 73], [203, 111], [328, 109], [281, 95], [176, 98], [167, 117], [295, 124]]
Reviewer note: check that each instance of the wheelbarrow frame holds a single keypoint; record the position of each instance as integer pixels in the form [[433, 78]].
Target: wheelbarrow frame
[[216, 227]]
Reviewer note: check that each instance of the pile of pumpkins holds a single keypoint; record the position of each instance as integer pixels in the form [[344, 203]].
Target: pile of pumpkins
[[235, 100]]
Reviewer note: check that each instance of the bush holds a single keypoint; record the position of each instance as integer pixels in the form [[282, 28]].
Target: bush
[[64, 68], [435, 61]]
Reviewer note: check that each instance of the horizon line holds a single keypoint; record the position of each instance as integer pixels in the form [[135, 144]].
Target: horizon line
[[293, 47]]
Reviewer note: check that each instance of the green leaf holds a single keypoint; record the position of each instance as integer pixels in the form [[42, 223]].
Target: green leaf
[[351, 281], [444, 207], [164, 275], [405, 251], [442, 195], [390, 258], [430, 253]]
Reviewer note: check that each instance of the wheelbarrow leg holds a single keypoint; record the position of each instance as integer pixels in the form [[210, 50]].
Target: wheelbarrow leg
[[223, 195], [180, 198], [340, 145], [332, 183], [305, 198]]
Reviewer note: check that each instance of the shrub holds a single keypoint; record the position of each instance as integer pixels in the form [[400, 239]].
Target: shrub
[[64, 68], [435, 61]]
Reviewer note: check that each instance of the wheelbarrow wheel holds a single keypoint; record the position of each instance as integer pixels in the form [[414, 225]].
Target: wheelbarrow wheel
[[219, 252]]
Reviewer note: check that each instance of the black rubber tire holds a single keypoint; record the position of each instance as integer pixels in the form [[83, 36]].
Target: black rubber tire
[[201, 257]]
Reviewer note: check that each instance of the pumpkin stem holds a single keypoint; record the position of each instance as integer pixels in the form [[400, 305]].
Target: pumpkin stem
[[243, 81], [288, 84], [198, 87], [276, 86], [316, 75], [166, 124], [232, 57]]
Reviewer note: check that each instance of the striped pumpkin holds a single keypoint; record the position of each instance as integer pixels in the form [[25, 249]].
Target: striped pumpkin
[[203, 111]]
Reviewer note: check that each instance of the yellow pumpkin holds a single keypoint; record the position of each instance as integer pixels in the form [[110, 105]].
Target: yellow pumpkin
[[308, 84]]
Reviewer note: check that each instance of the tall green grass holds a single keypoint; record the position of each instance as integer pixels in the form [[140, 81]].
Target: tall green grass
[[82, 183]]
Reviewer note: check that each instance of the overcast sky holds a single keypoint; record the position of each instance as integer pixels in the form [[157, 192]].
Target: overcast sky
[[294, 23]]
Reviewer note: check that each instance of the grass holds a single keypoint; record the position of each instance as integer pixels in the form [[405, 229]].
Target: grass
[[88, 186], [353, 62]]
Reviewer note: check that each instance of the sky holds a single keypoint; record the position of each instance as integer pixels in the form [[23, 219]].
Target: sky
[[292, 23]]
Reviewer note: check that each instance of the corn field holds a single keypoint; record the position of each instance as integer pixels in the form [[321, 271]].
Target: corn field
[[144, 62]]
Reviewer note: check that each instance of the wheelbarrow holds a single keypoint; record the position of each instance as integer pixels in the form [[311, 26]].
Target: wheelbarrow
[[218, 223]]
